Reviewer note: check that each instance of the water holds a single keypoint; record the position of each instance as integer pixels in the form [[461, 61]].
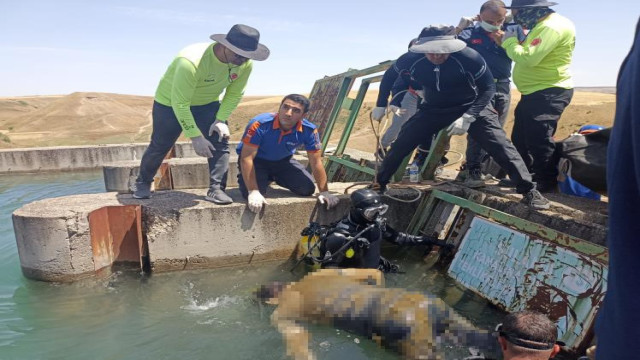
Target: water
[[179, 315]]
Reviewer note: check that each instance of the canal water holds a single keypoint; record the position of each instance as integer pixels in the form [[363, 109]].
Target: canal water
[[178, 315]]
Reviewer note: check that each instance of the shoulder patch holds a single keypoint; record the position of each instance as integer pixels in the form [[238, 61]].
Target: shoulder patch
[[536, 42], [476, 41]]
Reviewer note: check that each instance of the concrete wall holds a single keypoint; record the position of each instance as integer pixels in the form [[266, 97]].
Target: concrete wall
[[64, 158]]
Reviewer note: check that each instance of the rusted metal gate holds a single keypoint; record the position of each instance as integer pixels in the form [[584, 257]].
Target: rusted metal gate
[[517, 264]]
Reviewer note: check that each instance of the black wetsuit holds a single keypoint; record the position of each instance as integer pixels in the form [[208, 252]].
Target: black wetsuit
[[462, 84], [363, 253]]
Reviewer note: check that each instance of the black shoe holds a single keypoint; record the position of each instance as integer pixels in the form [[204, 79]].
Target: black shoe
[[141, 190], [379, 188], [474, 179], [535, 200], [506, 182]]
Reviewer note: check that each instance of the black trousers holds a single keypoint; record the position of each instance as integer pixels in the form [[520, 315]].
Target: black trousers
[[166, 130], [536, 120], [486, 131]]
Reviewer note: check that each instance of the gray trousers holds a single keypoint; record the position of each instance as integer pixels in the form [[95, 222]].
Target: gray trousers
[[475, 154], [166, 131], [410, 104]]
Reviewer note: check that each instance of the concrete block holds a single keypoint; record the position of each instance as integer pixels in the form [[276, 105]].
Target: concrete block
[[186, 173]]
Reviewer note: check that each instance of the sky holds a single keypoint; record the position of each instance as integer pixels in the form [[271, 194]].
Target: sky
[[59, 47]]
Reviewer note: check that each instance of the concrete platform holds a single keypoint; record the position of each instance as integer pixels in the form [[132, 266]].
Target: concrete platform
[[183, 173], [68, 238]]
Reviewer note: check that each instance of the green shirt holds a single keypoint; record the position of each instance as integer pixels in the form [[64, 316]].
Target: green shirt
[[542, 60], [197, 77]]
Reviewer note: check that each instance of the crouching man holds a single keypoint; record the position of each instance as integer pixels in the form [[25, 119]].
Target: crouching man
[[266, 154], [416, 325]]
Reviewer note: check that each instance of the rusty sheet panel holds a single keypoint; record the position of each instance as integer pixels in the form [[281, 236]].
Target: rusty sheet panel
[[517, 272], [323, 98]]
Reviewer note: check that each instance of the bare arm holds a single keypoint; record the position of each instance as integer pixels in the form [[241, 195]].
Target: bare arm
[[246, 164], [317, 169], [296, 337]]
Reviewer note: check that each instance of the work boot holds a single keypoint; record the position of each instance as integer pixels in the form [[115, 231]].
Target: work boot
[[218, 196], [535, 200], [379, 188], [141, 190], [474, 179]]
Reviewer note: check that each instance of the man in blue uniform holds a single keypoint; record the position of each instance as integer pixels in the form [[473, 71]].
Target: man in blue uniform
[[266, 154], [481, 38], [458, 89], [617, 328]]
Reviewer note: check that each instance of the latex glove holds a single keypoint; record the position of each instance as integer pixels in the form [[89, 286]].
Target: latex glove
[[510, 32], [465, 22], [461, 125], [378, 113], [398, 111], [326, 197], [202, 146], [420, 93], [255, 201], [221, 128]]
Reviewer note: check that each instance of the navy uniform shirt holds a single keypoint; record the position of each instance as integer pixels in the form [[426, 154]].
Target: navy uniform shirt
[[265, 133], [495, 56], [464, 80]]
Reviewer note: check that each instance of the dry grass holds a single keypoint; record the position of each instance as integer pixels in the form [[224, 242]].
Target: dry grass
[[101, 118]]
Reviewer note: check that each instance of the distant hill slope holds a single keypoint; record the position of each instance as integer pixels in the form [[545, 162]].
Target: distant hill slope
[[103, 118]]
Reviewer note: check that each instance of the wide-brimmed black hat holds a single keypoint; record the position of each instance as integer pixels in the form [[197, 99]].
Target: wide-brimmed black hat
[[437, 39], [517, 4], [244, 41]]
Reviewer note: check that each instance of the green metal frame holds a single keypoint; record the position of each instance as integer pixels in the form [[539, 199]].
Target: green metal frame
[[425, 211]]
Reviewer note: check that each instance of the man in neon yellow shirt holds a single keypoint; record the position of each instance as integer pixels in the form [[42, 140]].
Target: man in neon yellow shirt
[[542, 76], [188, 100]]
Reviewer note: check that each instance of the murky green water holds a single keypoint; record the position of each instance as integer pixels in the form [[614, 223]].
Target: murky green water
[[181, 315]]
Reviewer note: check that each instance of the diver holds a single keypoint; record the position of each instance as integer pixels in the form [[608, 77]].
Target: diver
[[355, 240]]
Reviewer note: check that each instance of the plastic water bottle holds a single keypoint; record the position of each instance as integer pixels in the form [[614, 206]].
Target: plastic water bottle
[[414, 173]]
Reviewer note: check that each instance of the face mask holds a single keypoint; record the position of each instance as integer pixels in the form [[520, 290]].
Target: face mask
[[488, 27]]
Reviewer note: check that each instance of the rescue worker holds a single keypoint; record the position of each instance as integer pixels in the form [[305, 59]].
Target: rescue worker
[[458, 87], [481, 38], [356, 240], [416, 325], [541, 73]]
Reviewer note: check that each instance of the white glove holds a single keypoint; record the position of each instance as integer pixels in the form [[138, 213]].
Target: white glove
[[420, 93], [398, 111], [327, 198], [255, 201], [378, 113], [461, 125], [465, 22], [202, 146], [221, 128]]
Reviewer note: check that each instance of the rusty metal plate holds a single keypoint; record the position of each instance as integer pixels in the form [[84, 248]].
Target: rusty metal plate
[[516, 271], [324, 96]]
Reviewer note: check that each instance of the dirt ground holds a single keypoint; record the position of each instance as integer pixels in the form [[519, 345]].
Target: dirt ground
[[103, 118]]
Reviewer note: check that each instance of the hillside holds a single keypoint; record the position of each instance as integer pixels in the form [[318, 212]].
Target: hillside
[[102, 118]]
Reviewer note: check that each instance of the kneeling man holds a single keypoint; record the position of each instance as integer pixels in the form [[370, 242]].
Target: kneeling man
[[266, 154]]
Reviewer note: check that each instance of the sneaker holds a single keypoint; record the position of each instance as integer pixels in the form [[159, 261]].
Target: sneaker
[[535, 200], [141, 190], [218, 196], [474, 179]]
